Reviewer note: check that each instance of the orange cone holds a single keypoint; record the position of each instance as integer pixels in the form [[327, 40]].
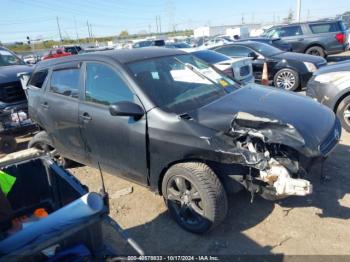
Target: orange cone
[[265, 76]]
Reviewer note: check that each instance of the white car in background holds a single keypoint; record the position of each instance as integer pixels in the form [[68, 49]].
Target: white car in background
[[240, 69]]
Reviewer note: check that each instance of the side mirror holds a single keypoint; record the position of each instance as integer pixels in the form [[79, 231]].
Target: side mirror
[[126, 108], [253, 55]]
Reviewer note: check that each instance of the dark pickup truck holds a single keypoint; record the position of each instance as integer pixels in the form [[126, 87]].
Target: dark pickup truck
[[320, 38], [155, 116], [11, 92]]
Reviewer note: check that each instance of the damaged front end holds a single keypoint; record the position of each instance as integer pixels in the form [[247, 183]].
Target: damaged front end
[[268, 148]]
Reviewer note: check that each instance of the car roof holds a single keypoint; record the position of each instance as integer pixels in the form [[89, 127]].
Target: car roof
[[309, 22], [122, 56]]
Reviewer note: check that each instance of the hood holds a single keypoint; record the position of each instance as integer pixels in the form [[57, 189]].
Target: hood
[[286, 118], [301, 58], [9, 73], [336, 67]]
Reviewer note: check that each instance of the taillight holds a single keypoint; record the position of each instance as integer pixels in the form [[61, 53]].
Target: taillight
[[340, 37]]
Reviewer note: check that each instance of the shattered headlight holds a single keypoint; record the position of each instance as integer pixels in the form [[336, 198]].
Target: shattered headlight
[[310, 66], [331, 77]]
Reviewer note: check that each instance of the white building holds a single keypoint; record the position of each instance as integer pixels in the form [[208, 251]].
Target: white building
[[221, 30]]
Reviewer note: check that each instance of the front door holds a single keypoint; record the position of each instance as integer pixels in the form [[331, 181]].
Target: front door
[[60, 111], [118, 143]]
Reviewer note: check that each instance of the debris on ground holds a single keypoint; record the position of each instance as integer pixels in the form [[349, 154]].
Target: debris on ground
[[122, 192]]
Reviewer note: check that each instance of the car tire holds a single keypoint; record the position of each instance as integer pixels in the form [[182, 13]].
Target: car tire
[[8, 144], [316, 51], [195, 197], [286, 79], [343, 112], [42, 141]]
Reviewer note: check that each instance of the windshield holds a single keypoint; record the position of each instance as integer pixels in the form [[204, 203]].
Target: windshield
[[9, 59], [265, 49], [180, 83]]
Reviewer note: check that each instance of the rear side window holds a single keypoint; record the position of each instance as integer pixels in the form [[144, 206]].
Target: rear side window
[[65, 82], [290, 31], [211, 57], [324, 28], [104, 86], [234, 51], [38, 79]]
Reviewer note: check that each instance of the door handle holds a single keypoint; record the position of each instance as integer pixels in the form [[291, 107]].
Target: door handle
[[86, 117], [45, 105], [300, 39]]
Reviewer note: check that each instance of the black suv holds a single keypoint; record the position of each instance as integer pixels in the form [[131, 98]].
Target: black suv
[[320, 38], [155, 116]]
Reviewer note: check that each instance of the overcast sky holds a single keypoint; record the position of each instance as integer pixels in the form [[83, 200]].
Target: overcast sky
[[37, 18]]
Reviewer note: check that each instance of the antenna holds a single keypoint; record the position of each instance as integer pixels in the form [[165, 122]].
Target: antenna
[[103, 191]]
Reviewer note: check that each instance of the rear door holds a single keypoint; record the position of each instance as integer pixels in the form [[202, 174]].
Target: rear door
[[293, 35], [118, 143], [59, 105]]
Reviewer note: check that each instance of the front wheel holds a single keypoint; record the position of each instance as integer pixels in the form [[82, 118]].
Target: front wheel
[[286, 79], [194, 196], [343, 112]]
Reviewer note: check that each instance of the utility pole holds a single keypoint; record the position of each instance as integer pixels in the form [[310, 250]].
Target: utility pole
[[88, 27], [298, 10], [59, 28], [308, 15], [160, 25], [242, 21], [157, 28], [76, 29]]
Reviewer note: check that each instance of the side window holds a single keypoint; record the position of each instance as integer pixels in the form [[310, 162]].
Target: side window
[[273, 33], [65, 82], [104, 86], [234, 51], [38, 79], [324, 28], [290, 31]]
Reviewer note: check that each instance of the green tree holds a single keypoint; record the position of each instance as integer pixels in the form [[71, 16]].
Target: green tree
[[124, 34]]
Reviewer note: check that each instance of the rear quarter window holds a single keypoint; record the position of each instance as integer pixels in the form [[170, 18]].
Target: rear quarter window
[[324, 28], [38, 78]]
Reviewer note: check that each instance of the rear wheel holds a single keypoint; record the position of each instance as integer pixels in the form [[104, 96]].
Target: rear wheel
[[286, 79], [343, 112], [316, 51], [195, 196], [42, 142]]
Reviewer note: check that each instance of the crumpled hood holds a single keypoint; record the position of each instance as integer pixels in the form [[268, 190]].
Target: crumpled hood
[[284, 117], [9, 73], [301, 57]]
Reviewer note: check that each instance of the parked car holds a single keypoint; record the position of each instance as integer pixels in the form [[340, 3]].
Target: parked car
[[148, 43], [11, 92], [147, 115], [320, 38], [73, 49], [286, 70], [180, 45], [276, 42], [239, 69], [56, 53], [30, 59], [331, 87]]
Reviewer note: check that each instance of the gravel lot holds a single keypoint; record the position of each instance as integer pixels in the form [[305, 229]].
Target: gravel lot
[[317, 224]]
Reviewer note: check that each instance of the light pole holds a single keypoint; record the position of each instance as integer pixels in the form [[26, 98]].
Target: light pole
[[298, 10]]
